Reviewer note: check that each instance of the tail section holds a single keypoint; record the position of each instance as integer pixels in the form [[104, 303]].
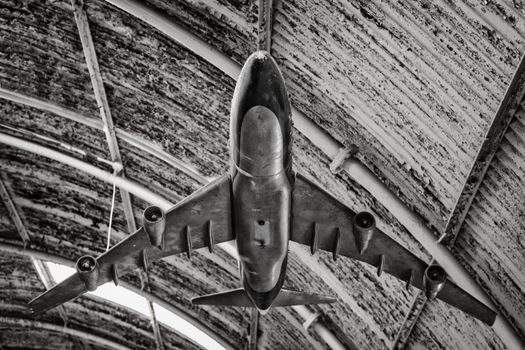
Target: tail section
[[239, 297], [236, 297]]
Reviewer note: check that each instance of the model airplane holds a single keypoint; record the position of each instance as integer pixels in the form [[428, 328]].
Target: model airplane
[[262, 205]]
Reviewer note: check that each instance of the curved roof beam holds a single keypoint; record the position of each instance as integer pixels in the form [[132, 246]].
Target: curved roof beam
[[133, 140], [26, 323], [103, 175], [40, 255], [331, 147]]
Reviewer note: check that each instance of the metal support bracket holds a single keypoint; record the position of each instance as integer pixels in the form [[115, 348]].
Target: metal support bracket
[[344, 153], [311, 321]]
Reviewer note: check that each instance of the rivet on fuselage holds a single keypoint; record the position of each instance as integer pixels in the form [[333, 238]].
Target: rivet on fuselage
[[381, 264], [114, 274], [410, 279], [188, 242], [335, 251], [314, 242], [210, 237]]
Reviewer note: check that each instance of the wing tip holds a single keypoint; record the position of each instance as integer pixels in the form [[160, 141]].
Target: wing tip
[[34, 308]]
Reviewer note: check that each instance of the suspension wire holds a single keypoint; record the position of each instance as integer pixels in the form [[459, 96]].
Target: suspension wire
[[111, 215]]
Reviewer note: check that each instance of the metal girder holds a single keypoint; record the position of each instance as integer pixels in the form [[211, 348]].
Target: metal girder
[[508, 107], [13, 212], [312, 320], [264, 25], [26, 323], [510, 103], [133, 140], [109, 129], [41, 255], [410, 321]]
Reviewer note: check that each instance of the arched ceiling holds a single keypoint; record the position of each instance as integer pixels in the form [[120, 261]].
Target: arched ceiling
[[416, 85]]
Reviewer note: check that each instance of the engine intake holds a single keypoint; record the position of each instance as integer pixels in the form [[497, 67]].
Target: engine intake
[[434, 280], [87, 268], [155, 225], [363, 228]]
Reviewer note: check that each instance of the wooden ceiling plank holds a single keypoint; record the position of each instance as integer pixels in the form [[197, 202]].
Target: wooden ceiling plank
[[509, 106]]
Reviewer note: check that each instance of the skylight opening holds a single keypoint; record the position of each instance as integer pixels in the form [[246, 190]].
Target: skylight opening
[[133, 301]]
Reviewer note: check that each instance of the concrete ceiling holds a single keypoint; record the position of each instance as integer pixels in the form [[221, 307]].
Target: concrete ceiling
[[416, 85]]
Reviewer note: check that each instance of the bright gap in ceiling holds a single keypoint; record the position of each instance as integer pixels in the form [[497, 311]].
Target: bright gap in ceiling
[[133, 301]]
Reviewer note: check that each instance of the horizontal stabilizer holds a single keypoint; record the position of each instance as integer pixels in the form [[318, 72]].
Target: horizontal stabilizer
[[288, 298], [236, 297]]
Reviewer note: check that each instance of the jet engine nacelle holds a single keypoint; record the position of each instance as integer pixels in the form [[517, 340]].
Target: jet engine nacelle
[[363, 227], [434, 280], [155, 225], [87, 268]]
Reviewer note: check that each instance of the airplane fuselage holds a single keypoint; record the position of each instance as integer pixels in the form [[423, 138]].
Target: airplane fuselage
[[262, 177]]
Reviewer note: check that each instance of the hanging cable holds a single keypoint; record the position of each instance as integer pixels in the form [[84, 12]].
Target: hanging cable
[[111, 215]]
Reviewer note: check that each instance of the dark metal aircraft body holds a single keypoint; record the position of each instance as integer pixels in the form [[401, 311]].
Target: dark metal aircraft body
[[262, 205]]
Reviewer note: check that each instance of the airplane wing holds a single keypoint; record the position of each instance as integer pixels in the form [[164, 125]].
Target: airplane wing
[[201, 220], [321, 221]]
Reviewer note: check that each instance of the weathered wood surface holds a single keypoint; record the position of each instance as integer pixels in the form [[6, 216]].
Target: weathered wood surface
[[492, 240], [415, 85], [41, 54], [396, 79], [442, 327]]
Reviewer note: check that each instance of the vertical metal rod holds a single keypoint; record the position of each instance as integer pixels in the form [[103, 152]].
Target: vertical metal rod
[[254, 328], [264, 25]]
